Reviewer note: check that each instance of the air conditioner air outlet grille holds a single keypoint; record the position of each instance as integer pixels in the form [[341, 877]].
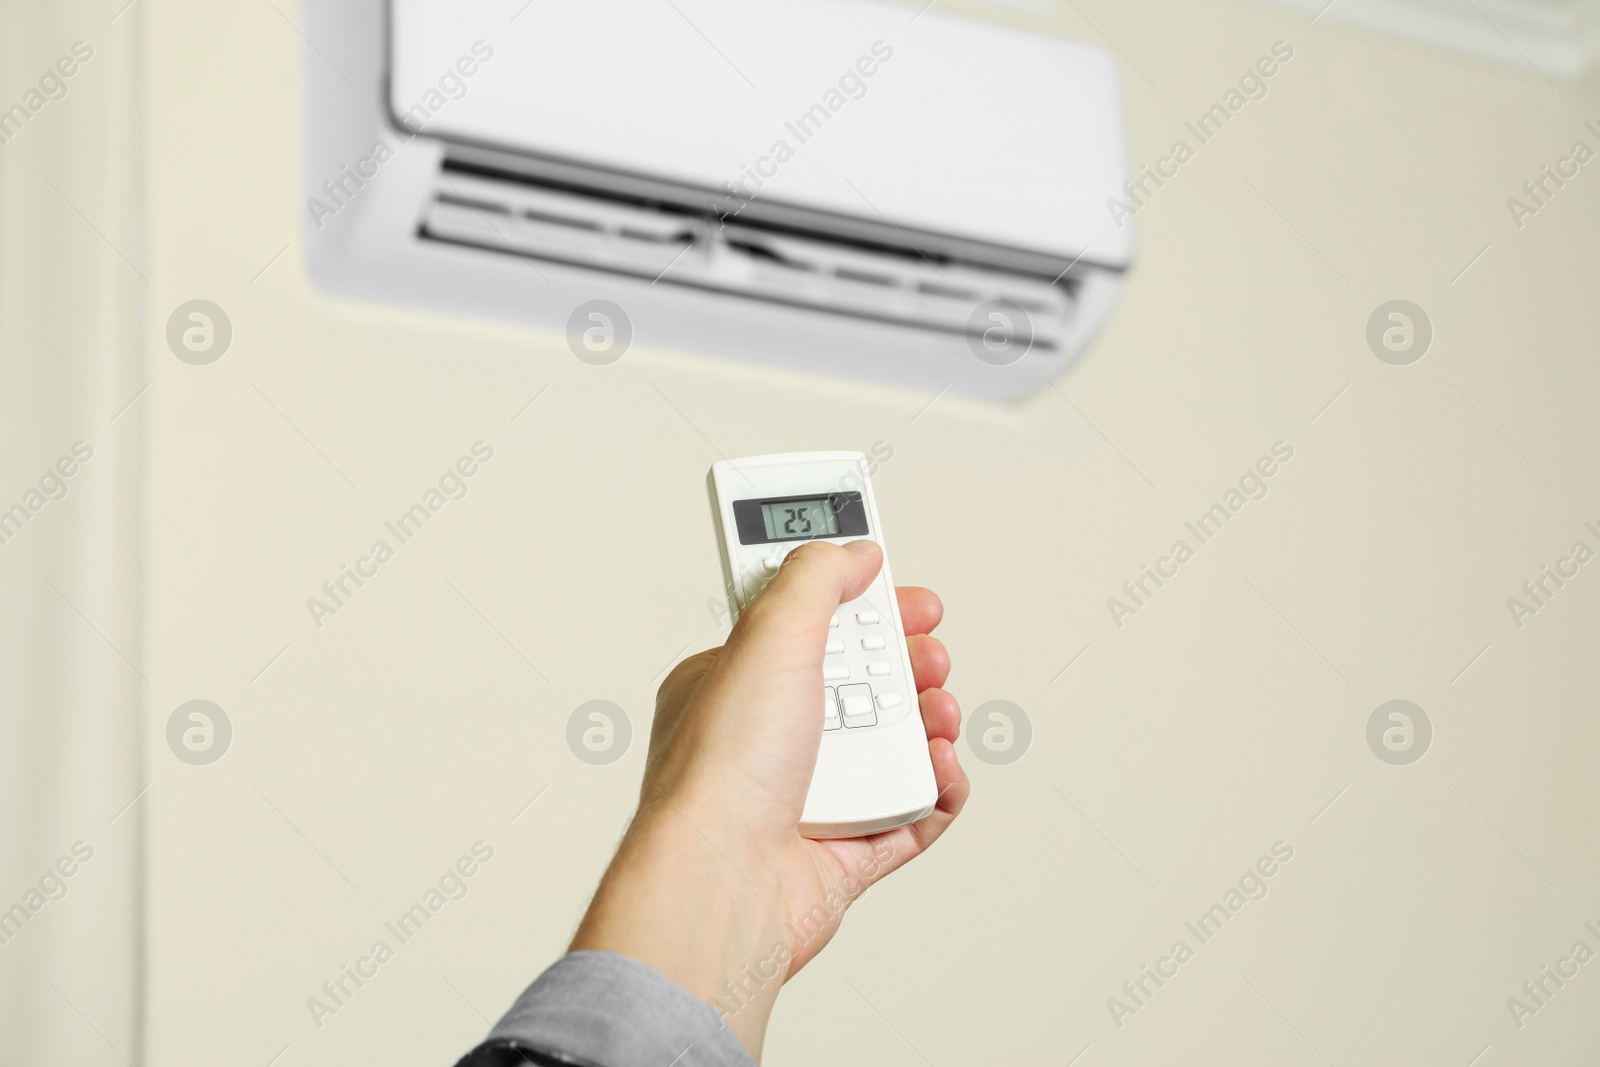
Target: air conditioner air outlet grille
[[635, 238]]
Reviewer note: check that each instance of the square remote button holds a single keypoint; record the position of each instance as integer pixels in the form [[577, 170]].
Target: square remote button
[[835, 672], [877, 670], [830, 710], [872, 644], [868, 618], [855, 701]]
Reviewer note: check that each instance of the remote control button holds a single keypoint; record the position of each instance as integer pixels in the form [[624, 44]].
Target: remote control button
[[834, 646], [889, 700], [771, 564], [830, 710], [877, 670], [835, 672], [833, 621], [867, 618], [855, 701], [872, 644]]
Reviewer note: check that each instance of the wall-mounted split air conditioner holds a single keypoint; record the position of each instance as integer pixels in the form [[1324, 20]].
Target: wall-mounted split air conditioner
[[862, 188]]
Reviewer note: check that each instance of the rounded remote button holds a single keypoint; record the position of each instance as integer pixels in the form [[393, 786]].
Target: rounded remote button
[[877, 670], [872, 644], [889, 700], [867, 618], [833, 621], [835, 672], [855, 702], [771, 564], [834, 646]]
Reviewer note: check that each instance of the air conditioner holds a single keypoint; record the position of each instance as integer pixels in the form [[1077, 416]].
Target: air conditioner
[[861, 188]]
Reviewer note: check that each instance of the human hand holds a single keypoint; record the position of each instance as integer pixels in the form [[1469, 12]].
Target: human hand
[[713, 885]]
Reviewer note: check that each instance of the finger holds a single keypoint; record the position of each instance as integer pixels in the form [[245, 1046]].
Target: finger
[[930, 661], [954, 788], [787, 625], [884, 853], [920, 609], [941, 715]]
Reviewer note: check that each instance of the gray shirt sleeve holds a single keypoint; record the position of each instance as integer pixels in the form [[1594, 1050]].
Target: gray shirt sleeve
[[599, 1009]]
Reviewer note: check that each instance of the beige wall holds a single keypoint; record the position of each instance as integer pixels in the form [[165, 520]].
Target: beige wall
[[1219, 720]]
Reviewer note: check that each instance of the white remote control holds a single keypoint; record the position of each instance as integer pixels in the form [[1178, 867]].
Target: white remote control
[[873, 772]]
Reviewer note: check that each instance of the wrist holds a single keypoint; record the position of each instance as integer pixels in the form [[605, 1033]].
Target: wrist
[[696, 900]]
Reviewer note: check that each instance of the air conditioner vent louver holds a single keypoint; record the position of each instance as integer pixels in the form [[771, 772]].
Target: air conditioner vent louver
[[655, 240]]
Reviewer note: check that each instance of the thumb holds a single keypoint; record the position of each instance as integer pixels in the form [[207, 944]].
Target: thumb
[[787, 625]]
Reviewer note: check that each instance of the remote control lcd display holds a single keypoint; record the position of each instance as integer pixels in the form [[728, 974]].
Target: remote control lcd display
[[788, 520]]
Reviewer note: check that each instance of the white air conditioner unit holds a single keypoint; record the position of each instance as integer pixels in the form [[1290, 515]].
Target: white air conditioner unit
[[861, 188]]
